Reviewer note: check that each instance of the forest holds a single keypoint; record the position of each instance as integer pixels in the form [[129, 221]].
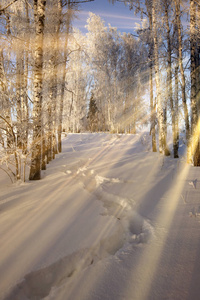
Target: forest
[[55, 79]]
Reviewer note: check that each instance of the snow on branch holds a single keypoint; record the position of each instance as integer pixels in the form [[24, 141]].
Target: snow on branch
[[8, 5]]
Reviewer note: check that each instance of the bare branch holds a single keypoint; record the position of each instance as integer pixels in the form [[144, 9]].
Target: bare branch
[[1, 117], [6, 130], [79, 2], [70, 3], [7, 173], [4, 8], [70, 91]]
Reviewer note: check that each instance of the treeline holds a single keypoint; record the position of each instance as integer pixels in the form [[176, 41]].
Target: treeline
[[55, 79], [171, 34], [34, 54], [106, 81]]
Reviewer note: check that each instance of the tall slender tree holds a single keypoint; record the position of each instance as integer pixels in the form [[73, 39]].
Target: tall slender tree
[[195, 145], [160, 112], [151, 63], [39, 17], [180, 59], [167, 6]]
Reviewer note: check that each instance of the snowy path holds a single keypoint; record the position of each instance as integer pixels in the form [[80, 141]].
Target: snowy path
[[108, 221]]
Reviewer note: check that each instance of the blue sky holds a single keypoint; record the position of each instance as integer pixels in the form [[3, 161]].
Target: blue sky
[[118, 15]]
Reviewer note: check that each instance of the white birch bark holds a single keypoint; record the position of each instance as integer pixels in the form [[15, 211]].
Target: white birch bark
[[180, 59], [160, 113], [152, 104], [39, 14], [169, 76]]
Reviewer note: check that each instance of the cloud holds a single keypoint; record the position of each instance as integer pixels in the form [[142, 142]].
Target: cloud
[[112, 16], [121, 22]]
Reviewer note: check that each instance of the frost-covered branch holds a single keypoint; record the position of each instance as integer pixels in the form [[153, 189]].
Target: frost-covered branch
[[5, 7]]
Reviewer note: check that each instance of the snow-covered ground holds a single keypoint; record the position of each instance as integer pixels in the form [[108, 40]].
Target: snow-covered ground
[[110, 220]]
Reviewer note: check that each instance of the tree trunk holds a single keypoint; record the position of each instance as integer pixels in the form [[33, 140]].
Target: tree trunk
[[176, 113], [26, 62], [5, 105], [49, 135], [160, 114], [61, 104], [19, 97], [152, 105], [153, 111], [194, 116], [44, 152], [54, 79], [180, 58], [195, 147], [39, 14], [169, 78]]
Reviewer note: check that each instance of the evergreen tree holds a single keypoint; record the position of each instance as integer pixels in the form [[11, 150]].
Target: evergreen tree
[[92, 115]]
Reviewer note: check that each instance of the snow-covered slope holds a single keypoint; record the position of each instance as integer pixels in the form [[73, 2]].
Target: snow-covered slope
[[109, 220]]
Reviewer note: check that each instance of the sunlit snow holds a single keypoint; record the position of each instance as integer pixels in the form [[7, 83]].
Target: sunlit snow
[[109, 220]]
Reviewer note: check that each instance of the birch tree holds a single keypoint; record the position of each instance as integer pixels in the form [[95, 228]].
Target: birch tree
[[180, 59], [160, 113], [194, 57], [39, 17], [167, 6], [151, 68], [66, 32]]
